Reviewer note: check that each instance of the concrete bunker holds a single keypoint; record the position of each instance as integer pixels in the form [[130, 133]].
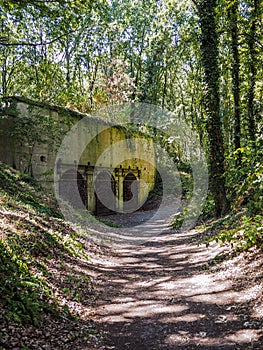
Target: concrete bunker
[[95, 183]]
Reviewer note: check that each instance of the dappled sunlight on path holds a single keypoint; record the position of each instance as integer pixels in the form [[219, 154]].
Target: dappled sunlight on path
[[134, 228], [157, 296]]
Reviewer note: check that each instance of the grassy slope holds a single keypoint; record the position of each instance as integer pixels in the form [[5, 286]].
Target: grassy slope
[[44, 277]]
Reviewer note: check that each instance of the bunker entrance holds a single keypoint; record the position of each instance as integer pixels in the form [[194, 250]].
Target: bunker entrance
[[130, 192], [73, 189], [105, 194]]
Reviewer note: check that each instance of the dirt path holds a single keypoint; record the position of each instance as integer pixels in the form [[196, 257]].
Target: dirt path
[[160, 295]]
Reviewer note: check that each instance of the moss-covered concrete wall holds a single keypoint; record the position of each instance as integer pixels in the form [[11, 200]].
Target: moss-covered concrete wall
[[31, 133]]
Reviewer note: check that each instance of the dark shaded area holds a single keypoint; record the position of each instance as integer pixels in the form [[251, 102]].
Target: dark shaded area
[[155, 196], [73, 188], [130, 192], [105, 193], [143, 214]]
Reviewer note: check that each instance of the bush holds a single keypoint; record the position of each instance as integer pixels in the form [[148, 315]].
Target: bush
[[247, 232]]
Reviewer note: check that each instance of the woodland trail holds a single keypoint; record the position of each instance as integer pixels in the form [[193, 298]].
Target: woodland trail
[[162, 294]]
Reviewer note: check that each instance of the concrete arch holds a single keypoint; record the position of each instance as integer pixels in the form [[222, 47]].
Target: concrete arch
[[105, 187], [130, 191]]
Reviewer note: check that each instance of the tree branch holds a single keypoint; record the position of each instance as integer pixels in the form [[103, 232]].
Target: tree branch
[[3, 41]]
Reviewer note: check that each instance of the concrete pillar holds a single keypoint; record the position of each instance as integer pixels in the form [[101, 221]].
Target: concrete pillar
[[90, 192], [120, 193]]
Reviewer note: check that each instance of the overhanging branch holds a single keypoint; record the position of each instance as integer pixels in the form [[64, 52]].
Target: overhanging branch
[[4, 42]]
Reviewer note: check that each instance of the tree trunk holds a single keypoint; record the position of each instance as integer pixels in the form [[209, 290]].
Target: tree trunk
[[253, 72], [209, 49], [236, 78], [4, 77], [67, 56]]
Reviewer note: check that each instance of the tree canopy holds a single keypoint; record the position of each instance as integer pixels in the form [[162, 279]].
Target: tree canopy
[[199, 59]]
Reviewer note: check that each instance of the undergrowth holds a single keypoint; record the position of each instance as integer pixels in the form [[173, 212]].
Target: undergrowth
[[32, 232], [244, 234], [242, 228]]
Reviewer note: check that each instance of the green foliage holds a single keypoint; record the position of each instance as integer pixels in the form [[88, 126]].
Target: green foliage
[[179, 218], [23, 294], [67, 54], [248, 232], [24, 189], [185, 213], [109, 223], [245, 183], [31, 232], [246, 187], [208, 209]]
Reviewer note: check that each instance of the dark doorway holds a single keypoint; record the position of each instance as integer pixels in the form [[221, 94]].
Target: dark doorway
[[105, 194], [155, 196], [73, 188], [130, 192]]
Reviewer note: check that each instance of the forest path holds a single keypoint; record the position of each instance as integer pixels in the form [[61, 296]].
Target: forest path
[[160, 295]]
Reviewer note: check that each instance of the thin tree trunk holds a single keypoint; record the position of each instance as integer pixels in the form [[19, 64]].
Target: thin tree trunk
[[92, 84], [67, 61], [164, 87], [4, 77], [209, 48], [236, 78], [253, 72]]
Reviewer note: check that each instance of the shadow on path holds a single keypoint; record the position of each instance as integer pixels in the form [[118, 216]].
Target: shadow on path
[[156, 296]]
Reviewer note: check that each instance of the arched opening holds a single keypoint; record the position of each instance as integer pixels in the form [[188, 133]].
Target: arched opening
[[105, 194], [130, 192], [73, 188]]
